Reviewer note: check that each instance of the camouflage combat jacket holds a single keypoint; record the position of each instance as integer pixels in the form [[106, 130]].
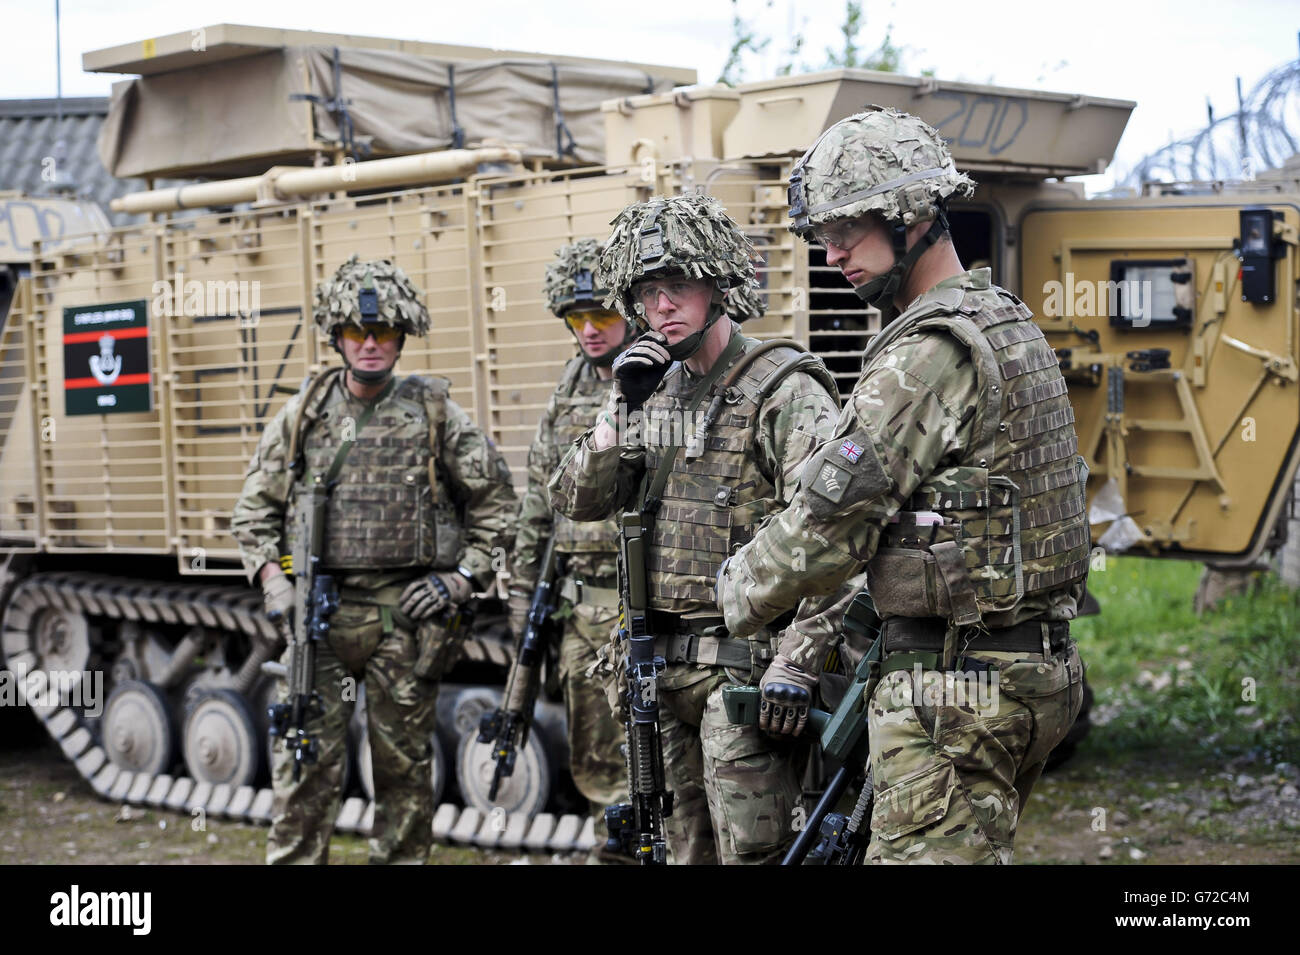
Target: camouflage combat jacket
[[720, 489], [953, 476], [590, 547], [422, 486]]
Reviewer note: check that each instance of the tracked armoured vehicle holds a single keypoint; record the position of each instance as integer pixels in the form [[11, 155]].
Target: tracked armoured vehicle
[[118, 564]]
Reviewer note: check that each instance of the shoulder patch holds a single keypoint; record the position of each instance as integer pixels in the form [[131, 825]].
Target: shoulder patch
[[841, 473]]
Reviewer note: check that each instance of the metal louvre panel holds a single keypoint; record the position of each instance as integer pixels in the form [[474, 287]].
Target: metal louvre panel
[[18, 505], [103, 476], [237, 347], [522, 220]]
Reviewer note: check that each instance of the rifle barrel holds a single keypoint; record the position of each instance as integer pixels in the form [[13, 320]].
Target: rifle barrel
[[799, 851]]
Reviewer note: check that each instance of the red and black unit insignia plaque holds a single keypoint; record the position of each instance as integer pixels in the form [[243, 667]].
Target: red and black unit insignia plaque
[[106, 358]]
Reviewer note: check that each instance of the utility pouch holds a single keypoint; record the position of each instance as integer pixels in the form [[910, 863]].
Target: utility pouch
[[439, 641]]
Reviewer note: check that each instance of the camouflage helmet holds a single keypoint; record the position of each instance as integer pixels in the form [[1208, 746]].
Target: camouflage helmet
[[570, 279], [692, 235], [744, 302], [368, 292], [880, 160]]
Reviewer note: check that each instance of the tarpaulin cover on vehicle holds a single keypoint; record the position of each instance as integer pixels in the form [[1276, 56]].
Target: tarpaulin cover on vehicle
[[238, 117]]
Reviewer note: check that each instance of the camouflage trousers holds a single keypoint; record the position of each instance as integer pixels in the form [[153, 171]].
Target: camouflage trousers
[[595, 737], [954, 758], [735, 789], [401, 715]]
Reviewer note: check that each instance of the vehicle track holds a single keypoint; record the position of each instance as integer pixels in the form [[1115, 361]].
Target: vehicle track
[[238, 610]]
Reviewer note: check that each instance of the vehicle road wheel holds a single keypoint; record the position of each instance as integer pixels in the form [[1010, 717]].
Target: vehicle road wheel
[[525, 790], [221, 740], [138, 732]]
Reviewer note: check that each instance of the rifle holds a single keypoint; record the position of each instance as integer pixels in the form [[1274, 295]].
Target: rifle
[[507, 727], [637, 827], [317, 597], [841, 839]]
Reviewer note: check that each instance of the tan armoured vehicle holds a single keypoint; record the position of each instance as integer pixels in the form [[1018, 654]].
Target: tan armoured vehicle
[[1174, 318]]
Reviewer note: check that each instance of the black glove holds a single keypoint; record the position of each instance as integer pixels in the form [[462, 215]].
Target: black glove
[[787, 691], [426, 596], [639, 370]]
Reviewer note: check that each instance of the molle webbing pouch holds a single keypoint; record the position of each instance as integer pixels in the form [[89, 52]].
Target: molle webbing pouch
[[438, 642], [954, 552]]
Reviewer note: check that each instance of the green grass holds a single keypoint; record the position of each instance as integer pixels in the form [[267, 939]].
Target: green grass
[[1165, 677]]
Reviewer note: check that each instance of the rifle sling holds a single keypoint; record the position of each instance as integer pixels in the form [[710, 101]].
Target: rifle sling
[[655, 486]]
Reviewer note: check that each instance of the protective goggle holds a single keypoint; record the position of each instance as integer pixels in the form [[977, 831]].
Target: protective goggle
[[600, 318], [678, 290], [383, 334], [844, 234]]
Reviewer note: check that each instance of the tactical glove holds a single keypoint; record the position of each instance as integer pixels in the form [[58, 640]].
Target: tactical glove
[[787, 691], [639, 370], [428, 595], [277, 599], [517, 606]]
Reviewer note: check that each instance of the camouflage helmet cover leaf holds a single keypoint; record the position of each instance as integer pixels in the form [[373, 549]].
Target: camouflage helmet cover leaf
[[880, 160], [337, 300], [571, 278], [691, 235], [743, 302]]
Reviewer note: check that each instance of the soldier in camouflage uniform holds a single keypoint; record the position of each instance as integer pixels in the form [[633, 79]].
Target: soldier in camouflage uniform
[[674, 266], [953, 476], [587, 552], [422, 501]]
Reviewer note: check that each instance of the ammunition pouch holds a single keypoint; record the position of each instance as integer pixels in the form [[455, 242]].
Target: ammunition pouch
[[608, 668], [439, 644]]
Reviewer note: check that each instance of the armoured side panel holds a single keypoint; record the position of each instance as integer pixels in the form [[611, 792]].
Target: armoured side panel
[[424, 231], [522, 221], [104, 478], [753, 194], [1201, 451], [231, 301], [18, 502]]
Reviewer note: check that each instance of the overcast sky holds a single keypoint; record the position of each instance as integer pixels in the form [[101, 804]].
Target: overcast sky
[[1168, 56]]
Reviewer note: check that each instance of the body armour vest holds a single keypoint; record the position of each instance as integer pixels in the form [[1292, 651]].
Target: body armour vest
[[718, 492], [1002, 536], [592, 545], [389, 507]]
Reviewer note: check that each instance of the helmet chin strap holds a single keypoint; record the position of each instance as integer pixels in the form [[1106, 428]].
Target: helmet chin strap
[[881, 290], [693, 342], [370, 377]]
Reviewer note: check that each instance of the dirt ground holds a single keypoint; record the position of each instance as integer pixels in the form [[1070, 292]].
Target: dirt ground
[[50, 815], [1163, 808], [1131, 810]]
